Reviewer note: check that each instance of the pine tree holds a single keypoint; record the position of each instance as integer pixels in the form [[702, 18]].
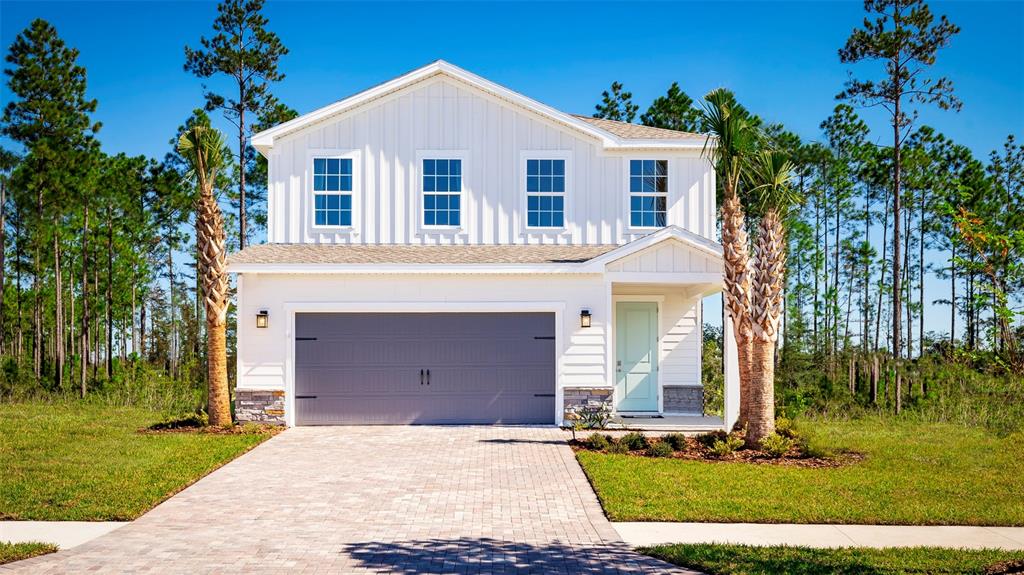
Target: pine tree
[[249, 54], [50, 116], [906, 38], [673, 111], [616, 105]]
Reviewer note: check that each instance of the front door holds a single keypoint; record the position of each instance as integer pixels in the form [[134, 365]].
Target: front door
[[636, 361]]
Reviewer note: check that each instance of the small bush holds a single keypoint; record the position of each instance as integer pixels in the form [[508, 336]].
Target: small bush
[[709, 439], [784, 427], [776, 445], [618, 448], [597, 442], [634, 441], [727, 446], [676, 440], [659, 449]]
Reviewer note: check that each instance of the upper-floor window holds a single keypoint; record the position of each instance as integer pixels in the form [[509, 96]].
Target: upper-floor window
[[332, 191], [545, 193], [648, 193], [442, 192]]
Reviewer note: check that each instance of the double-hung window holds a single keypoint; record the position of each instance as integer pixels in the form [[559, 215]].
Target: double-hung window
[[545, 193], [648, 193], [442, 192], [332, 191]]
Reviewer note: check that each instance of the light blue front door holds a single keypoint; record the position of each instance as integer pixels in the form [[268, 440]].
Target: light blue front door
[[636, 361]]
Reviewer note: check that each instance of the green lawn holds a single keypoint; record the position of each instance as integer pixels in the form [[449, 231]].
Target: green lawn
[[11, 552], [87, 463], [913, 474], [744, 560]]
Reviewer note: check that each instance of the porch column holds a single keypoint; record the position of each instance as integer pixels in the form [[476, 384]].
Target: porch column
[[730, 358]]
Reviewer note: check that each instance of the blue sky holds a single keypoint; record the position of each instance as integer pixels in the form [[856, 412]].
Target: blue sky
[[779, 57]]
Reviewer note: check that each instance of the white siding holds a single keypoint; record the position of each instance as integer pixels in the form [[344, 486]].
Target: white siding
[[445, 114], [667, 257]]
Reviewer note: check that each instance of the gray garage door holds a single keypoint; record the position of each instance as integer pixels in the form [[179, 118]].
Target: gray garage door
[[367, 368]]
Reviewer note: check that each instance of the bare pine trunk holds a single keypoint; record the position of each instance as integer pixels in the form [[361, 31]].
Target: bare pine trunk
[[84, 335]]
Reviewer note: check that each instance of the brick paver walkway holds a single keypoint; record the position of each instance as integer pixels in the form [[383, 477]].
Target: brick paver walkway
[[374, 499]]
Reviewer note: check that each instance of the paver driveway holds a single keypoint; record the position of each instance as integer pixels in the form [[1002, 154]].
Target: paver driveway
[[375, 499]]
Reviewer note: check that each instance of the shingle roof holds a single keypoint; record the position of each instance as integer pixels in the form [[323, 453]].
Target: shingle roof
[[637, 131], [406, 254]]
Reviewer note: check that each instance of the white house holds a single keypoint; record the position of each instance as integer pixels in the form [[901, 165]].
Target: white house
[[442, 249]]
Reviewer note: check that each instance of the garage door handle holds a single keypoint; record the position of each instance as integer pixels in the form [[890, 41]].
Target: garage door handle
[[428, 377], [421, 377], [305, 397]]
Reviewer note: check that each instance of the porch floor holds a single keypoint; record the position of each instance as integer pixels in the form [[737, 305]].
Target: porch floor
[[678, 423]]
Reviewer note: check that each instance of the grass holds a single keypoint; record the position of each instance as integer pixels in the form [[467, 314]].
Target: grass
[[746, 560], [912, 474], [80, 462], [11, 552]]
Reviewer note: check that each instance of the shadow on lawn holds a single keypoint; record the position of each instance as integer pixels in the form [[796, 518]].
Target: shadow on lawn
[[469, 555]]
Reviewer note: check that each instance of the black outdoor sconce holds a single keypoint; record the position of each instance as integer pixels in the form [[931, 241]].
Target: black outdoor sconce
[[584, 318], [262, 319]]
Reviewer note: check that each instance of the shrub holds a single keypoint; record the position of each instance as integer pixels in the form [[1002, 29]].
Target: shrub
[[709, 439], [618, 448], [634, 441], [776, 445], [784, 427], [659, 449], [676, 440], [597, 442], [727, 446]]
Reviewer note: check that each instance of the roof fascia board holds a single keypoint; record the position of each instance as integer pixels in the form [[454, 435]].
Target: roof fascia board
[[264, 141], [567, 268]]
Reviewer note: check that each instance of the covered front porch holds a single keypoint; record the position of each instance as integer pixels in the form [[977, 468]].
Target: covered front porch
[[654, 371]]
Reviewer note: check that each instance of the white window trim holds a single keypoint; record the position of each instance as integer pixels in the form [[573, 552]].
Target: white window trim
[[417, 175], [567, 195], [357, 188], [625, 186]]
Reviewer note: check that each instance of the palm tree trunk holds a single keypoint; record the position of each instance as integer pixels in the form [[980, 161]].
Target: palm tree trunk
[[736, 253], [211, 244], [767, 301]]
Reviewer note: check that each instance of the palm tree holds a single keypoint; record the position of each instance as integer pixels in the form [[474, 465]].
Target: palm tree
[[770, 174], [202, 147], [735, 137]]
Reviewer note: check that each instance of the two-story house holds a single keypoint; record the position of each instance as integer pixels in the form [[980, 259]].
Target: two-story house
[[441, 249]]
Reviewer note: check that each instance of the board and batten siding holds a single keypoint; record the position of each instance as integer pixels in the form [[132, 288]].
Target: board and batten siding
[[387, 138]]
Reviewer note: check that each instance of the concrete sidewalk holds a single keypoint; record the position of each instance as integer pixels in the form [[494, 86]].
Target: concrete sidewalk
[[64, 534], [823, 536]]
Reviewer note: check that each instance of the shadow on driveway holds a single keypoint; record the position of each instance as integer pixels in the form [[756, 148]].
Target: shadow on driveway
[[485, 555]]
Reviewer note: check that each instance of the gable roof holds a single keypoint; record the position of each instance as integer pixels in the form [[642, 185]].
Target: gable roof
[[611, 137]]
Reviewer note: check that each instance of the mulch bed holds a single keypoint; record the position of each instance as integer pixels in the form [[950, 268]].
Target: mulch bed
[[1005, 568], [247, 429], [697, 451]]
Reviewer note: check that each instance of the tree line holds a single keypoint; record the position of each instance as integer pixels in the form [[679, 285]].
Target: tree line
[[99, 256], [877, 218]]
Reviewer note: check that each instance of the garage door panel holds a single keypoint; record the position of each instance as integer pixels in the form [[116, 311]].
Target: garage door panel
[[364, 368]]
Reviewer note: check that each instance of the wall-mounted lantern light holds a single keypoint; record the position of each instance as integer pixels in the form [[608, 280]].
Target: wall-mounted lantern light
[[584, 318], [262, 319]]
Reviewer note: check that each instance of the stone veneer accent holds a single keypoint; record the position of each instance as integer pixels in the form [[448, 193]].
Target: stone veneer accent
[[573, 396], [684, 399], [259, 405]]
